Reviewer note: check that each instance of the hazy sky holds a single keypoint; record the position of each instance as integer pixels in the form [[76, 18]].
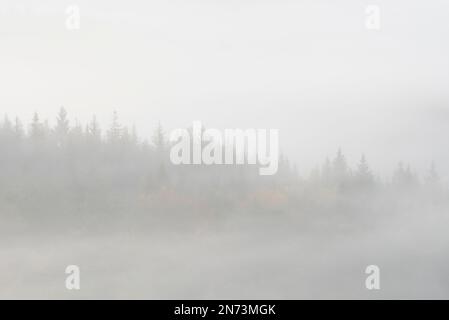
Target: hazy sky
[[309, 68]]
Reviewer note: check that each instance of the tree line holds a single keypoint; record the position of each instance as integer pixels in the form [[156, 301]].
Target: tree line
[[75, 170]]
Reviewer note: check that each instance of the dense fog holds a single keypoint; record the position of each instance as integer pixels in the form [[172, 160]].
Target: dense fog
[[91, 92], [140, 226]]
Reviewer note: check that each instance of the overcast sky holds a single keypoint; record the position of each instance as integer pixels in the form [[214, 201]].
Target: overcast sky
[[308, 68]]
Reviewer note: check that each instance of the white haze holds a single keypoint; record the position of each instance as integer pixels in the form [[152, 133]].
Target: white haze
[[308, 68]]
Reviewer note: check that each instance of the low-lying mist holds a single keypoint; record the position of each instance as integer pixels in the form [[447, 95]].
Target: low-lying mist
[[141, 227]]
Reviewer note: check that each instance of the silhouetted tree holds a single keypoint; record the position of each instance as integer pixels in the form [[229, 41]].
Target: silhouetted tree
[[115, 131], [340, 170], [93, 130], [403, 176], [364, 177], [62, 128], [37, 130], [158, 139]]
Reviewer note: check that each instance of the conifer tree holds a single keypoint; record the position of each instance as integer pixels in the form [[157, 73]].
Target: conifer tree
[[115, 131]]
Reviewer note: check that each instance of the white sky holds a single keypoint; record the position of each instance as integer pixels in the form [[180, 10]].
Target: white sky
[[309, 68]]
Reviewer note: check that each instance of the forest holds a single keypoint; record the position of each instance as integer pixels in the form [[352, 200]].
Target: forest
[[84, 177]]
